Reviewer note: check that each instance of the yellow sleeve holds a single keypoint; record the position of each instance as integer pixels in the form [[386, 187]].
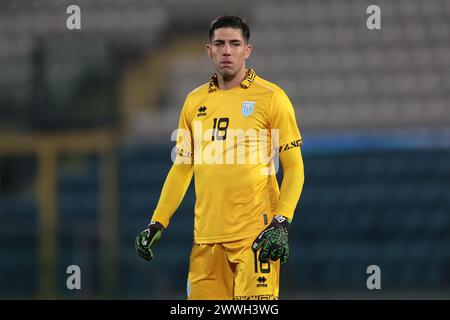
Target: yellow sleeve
[[282, 118], [173, 191], [292, 184], [180, 175], [184, 149]]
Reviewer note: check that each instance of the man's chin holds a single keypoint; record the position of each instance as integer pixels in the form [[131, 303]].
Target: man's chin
[[227, 74]]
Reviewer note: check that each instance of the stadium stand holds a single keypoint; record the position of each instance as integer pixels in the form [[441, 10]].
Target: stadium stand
[[380, 200]]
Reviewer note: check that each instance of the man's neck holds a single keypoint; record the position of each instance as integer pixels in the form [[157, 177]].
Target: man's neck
[[231, 83]]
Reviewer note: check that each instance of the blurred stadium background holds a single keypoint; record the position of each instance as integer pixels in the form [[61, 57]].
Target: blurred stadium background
[[86, 117]]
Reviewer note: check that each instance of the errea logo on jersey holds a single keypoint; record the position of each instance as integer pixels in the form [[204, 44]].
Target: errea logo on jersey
[[247, 108], [201, 111]]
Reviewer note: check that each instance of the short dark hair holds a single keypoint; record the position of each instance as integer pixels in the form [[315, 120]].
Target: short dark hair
[[229, 22]]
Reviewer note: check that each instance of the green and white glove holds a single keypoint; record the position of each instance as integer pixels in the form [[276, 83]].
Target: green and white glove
[[147, 238], [273, 241]]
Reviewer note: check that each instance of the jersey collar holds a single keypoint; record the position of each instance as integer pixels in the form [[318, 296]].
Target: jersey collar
[[246, 83]]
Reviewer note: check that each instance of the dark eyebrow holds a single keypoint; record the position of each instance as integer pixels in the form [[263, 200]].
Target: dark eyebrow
[[232, 41]]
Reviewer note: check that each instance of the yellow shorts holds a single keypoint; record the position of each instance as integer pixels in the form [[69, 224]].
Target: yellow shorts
[[226, 271]]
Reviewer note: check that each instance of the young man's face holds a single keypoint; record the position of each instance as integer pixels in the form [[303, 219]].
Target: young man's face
[[228, 51]]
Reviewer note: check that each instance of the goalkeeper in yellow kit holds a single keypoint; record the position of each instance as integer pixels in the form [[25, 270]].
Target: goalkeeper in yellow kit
[[229, 131]]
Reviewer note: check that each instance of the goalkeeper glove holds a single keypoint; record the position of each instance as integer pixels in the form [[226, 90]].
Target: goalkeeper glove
[[147, 238], [273, 241]]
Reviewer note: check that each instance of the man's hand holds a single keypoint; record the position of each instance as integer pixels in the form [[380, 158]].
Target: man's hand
[[147, 238], [273, 241]]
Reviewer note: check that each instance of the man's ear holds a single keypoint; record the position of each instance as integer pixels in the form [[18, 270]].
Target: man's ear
[[208, 50], [248, 50]]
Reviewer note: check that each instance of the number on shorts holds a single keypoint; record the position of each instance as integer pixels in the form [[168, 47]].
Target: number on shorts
[[261, 265]]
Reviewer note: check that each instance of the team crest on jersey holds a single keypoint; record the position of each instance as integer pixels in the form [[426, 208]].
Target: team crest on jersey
[[247, 108]]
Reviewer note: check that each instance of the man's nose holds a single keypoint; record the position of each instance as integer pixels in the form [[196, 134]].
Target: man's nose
[[226, 50]]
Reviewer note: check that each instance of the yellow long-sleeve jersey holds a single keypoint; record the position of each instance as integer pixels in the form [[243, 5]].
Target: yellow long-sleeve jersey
[[229, 141]]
